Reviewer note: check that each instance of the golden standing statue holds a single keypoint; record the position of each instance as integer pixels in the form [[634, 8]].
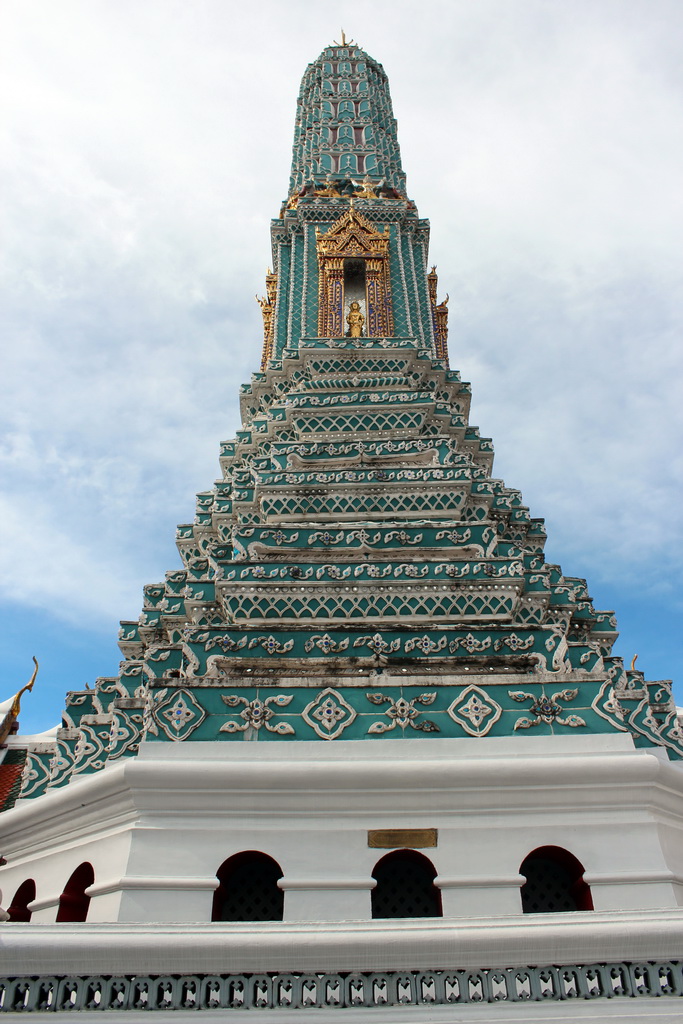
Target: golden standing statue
[[355, 320]]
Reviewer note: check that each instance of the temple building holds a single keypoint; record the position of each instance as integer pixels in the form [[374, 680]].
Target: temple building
[[366, 745]]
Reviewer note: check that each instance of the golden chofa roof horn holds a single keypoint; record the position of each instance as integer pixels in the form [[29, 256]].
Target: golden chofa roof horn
[[12, 715]]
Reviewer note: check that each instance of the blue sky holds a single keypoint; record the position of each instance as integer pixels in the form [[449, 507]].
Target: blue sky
[[145, 148]]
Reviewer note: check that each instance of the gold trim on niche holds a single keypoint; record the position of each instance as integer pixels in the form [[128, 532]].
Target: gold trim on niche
[[352, 236], [267, 304], [439, 317]]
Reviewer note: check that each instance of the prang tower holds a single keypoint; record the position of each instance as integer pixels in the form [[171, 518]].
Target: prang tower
[[365, 695]]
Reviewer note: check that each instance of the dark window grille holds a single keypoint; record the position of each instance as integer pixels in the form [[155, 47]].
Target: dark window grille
[[74, 903], [405, 886], [554, 882], [25, 894], [248, 889]]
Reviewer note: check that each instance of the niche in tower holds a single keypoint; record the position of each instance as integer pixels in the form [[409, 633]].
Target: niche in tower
[[353, 266], [355, 292]]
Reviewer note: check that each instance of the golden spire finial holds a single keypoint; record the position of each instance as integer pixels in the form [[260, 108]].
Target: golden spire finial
[[13, 713], [344, 40]]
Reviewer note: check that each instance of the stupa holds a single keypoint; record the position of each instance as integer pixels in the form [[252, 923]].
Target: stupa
[[366, 746]]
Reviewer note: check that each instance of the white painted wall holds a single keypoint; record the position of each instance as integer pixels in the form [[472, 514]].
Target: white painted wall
[[156, 828]]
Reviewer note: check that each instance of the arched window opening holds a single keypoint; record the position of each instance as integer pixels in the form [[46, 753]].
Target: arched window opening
[[354, 292], [248, 889], [74, 903], [405, 886], [25, 894], [554, 882]]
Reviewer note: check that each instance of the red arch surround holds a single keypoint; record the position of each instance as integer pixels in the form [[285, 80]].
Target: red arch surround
[[74, 903], [554, 882], [25, 894], [405, 886], [248, 889]]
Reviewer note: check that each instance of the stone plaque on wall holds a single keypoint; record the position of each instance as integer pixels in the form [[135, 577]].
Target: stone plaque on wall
[[411, 838]]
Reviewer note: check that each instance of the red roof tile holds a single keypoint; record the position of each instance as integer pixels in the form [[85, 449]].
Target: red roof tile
[[10, 775]]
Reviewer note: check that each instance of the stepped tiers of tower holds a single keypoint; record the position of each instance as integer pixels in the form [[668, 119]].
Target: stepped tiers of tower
[[358, 571]]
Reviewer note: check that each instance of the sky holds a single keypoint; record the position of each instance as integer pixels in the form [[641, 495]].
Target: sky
[[144, 147]]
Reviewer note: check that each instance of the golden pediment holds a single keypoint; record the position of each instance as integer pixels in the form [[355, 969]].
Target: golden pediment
[[352, 235]]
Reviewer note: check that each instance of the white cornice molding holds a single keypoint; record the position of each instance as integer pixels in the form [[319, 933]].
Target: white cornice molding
[[631, 877], [172, 786], [154, 882], [217, 947], [322, 884], [479, 881]]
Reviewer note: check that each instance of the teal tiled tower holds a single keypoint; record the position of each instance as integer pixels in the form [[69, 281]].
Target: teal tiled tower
[[357, 571]]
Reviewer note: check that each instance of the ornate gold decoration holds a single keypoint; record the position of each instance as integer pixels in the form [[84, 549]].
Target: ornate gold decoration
[[402, 838], [353, 237], [267, 304], [355, 320], [439, 317], [366, 188], [13, 713], [329, 188]]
